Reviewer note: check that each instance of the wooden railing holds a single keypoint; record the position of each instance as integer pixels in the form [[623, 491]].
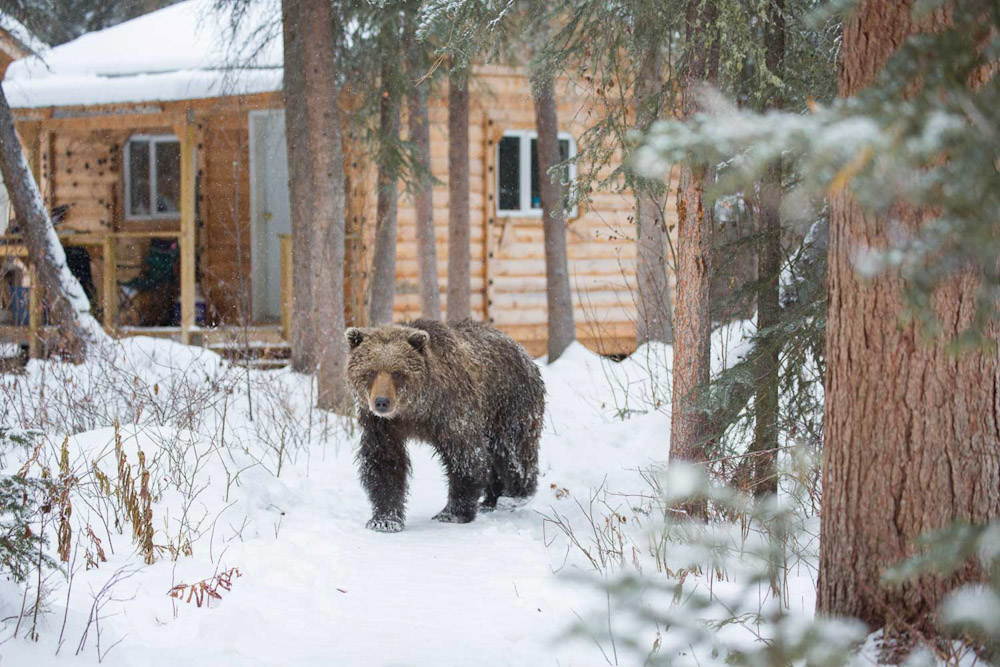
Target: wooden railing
[[11, 245]]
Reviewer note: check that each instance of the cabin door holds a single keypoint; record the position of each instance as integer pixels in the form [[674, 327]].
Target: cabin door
[[269, 210]]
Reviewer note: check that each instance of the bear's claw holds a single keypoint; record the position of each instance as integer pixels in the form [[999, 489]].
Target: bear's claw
[[384, 525]]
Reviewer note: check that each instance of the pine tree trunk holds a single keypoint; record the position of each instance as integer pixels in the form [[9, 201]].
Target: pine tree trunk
[[689, 427], [61, 293], [420, 136], [383, 278], [326, 161], [763, 451], [459, 282], [559, 299], [299, 186], [655, 320], [912, 429], [764, 478], [356, 179]]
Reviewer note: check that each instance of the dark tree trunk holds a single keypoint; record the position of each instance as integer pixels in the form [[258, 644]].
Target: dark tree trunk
[[764, 478], [689, 427], [912, 429], [763, 451], [420, 136], [383, 278], [655, 319], [458, 305], [326, 164], [61, 293], [559, 298], [299, 187]]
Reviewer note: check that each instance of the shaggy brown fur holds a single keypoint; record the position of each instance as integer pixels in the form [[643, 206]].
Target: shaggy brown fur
[[468, 390]]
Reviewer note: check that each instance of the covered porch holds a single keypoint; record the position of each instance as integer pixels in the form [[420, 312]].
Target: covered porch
[[26, 324], [224, 286]]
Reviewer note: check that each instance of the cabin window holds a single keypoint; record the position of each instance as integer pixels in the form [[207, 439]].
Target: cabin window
[[518, 191], [152, 177]]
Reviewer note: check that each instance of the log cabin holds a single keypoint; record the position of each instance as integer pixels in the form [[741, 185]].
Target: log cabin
[[168, 132]]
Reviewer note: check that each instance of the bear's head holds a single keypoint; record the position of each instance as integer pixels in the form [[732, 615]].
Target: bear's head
[[386, 367]]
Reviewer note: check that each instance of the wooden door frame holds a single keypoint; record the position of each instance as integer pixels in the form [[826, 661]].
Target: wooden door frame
[[257, 294]]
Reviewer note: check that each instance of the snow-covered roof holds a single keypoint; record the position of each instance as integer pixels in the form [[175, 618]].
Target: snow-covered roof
[[18, 31], [185, 51]]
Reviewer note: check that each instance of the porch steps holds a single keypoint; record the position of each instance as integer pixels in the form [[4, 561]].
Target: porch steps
[[260, 346], [261, 364], [260, 355]]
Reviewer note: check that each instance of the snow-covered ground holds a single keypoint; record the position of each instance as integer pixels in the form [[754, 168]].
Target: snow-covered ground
[[278, 498]]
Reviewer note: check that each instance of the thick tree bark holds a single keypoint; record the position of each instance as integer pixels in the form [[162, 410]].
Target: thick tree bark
[[912, 429], [655, 319], [689, 427], [420, 135], [299, 186], [559, 298], [383, 279], [459, 282], [764, 478], [356, 179], [326, 162], [61, 293]]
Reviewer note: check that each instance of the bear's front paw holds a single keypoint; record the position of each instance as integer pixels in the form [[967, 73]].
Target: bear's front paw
[[384, 525], [448, 516]]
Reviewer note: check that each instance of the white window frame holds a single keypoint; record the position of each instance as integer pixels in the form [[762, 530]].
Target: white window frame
[[152, 140], [525, 210]]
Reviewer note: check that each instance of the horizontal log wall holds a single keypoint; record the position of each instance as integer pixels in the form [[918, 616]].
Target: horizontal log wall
[[507, 253]]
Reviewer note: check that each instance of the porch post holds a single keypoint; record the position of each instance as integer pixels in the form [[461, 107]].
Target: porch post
[[110, 284], [287, 293], [186, 134], [34, 317], [31, 134]]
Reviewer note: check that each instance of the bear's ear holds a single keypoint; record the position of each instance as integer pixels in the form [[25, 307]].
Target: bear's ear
[[354, 336], [418, 339]]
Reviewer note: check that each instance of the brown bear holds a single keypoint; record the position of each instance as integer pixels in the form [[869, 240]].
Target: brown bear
[[468, 390]]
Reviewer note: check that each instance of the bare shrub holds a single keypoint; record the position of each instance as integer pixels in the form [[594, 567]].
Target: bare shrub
[[202, 592], [177, 416]]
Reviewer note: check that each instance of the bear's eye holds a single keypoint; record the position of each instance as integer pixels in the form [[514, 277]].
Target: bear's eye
[[398, 379], [369, 377]]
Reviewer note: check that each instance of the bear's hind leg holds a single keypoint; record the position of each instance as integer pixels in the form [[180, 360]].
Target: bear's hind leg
[[515, 461], [467, 476], [493, 492]]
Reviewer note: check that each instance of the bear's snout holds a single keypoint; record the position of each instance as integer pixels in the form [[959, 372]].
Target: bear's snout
[[382, 395]]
